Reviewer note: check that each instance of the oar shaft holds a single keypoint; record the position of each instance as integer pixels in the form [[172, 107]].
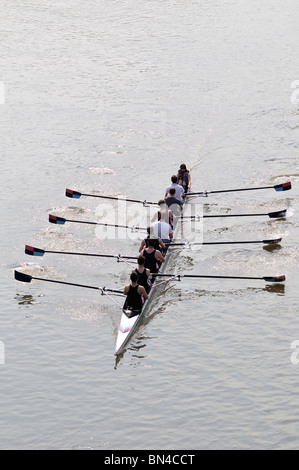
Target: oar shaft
[[205, 193], [100, 255], [116, 198], [81, 222], [33, 251], [277, 187], [97, 223], [54, 219], [229, 242], [203, 276], [233, 215], [81, 254], [273, 215], [273, 241], [76, 195], [221, 277], [66, 283], [240, 189], [19, 276]]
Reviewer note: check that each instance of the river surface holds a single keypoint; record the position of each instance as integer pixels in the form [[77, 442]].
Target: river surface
[[109, 97]]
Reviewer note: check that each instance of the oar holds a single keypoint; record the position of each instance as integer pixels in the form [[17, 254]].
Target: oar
[[27, 278], [272, 215], [277, 187], [54, 219], [264, 278], [33, 251], [274, 241], [76, 195]]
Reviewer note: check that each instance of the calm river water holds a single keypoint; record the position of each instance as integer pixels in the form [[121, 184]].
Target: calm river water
[[110, 97]]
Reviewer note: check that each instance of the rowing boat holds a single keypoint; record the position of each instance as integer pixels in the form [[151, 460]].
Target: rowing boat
[[131, 320]]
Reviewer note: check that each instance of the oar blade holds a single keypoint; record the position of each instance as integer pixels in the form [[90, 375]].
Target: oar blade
[[33, 251], [273, 241], [73, 194], [54, 219], [283, 186], [22, 277], [278, 214], [275, 278]]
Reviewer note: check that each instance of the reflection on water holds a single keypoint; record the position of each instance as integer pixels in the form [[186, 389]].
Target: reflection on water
[[273, 247], [25, 299], [276, 288], [135, 348], [138, 341]]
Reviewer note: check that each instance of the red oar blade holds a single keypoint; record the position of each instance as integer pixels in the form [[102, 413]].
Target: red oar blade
[[278, 214], [54, 219], [275, 279], [22, 277], [32, 251], [283, 186], [73, 194], [272, 241]]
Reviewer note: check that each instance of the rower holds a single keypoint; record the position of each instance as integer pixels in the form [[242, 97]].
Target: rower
[[163, 208], [136, 294], [152, 257], [143, 274], [179, 190], [158, 243], [184, 178], [173, 203], [163, 229]]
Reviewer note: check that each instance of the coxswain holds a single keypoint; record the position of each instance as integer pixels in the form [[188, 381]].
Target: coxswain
[[174, 204], [184, 178], [152, 257], [158, 243], [163, 229], [179, 190], [136, 294], [143, 274]]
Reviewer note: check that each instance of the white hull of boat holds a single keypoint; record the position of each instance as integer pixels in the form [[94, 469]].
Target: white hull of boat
[[128, 326]]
